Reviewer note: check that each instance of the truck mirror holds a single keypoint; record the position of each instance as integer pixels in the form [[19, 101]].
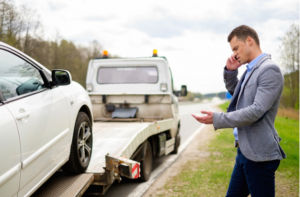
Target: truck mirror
[[183, 90]]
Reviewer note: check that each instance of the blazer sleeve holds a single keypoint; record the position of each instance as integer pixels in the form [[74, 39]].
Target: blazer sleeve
[[270, 85], [230, 80]]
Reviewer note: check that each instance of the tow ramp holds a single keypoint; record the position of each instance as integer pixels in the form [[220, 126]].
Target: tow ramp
[[113, 146]]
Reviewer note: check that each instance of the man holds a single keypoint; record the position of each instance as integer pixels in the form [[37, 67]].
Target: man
[[251, 113]]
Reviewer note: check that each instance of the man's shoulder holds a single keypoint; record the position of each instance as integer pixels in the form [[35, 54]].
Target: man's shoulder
[[269, 64]]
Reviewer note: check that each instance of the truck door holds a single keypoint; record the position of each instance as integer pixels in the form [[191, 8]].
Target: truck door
[[10, 164], [42, 119]]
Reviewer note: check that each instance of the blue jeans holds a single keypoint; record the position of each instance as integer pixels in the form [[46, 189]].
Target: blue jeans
[[255, 178]]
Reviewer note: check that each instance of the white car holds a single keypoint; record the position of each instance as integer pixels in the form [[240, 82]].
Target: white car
[[45, 123]]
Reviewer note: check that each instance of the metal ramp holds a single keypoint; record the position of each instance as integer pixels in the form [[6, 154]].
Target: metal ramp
[[64, 185]]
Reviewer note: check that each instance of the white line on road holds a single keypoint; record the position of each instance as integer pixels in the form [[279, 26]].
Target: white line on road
[[142, 188]]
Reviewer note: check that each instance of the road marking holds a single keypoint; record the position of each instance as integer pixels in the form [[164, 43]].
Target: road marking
[[143, 187]]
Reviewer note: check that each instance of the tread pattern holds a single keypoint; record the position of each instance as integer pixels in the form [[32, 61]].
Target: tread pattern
[[73, 166]]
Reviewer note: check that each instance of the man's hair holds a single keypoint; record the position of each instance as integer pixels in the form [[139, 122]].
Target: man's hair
[[242, 32]]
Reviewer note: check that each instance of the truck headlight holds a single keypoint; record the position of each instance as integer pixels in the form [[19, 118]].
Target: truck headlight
[[163, 87], [89, 87]]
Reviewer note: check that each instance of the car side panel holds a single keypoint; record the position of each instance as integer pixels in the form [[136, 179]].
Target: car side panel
[[10, 165], [76, 97], [43, 134]]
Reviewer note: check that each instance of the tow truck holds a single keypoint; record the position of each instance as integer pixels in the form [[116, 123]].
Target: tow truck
[[135, 110]]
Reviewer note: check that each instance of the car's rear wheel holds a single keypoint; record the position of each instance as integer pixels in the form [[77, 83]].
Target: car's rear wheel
[[146, 163], [81, 148]]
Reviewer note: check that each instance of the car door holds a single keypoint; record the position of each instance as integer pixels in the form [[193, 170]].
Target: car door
[[42, 119], [10, 165]]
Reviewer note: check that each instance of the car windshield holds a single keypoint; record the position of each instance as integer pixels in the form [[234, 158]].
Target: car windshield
[[130, 74]]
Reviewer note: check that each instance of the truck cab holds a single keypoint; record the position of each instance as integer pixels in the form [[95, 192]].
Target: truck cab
[[145, 84]]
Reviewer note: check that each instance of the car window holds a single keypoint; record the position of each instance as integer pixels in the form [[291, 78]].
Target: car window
[[17, 77]]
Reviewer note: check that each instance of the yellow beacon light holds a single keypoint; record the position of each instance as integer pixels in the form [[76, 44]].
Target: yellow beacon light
[[154, 53], [105, 54]]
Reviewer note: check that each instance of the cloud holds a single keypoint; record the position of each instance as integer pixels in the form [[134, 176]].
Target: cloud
[[191, 34], [241, 12], [56, 6]]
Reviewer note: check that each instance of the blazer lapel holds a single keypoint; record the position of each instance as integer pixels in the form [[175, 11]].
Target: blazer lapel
[[253, 69], [234, 99]]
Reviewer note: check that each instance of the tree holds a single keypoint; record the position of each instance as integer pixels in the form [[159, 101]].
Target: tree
[[289, 60], [19, 27]]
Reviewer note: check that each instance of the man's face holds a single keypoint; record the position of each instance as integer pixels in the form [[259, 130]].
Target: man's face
[[241, 50]]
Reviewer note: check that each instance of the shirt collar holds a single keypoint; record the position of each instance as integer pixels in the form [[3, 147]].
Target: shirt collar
[[254, 62]]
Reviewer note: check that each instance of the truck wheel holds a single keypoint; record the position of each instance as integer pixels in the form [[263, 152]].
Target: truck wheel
[[177, 144], [81, 148], [146, 163]]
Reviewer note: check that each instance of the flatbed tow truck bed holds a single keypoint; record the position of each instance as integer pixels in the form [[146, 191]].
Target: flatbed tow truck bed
[[113, 138]]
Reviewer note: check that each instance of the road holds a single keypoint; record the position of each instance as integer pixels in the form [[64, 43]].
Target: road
[[189, 125]]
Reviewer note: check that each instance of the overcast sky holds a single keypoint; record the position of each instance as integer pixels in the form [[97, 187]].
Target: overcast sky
[[192, 34]]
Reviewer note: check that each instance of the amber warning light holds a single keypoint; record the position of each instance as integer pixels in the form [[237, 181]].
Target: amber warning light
[[154, 53], [105, 54]]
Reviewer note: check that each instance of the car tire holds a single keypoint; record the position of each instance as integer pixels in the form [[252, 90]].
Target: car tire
[[81, 147], [146, 163], [177, 144]]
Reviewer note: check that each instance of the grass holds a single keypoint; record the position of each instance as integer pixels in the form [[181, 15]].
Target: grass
[[210, 177]]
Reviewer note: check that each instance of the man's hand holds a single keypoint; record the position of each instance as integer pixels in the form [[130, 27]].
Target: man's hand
[[205, 119], [232, 63]]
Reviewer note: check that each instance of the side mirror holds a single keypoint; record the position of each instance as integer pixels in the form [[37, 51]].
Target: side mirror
[[61, 77], [182, 92]]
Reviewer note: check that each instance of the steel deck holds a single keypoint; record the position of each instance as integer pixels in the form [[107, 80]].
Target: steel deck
[[121, 139], [63, 185]]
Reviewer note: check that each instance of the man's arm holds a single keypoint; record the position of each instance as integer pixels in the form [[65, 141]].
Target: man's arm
[[230, 73], [230, 80], [270, 84]]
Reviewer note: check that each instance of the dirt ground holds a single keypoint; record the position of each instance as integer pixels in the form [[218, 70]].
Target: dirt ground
[[194, 150]]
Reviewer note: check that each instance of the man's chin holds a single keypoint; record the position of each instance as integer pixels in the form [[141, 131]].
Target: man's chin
[[241, 62]]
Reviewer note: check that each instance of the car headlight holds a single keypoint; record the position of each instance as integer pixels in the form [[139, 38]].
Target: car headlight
[[89, 87]]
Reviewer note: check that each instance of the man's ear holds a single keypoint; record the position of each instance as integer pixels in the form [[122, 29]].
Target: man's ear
[[249, 41]]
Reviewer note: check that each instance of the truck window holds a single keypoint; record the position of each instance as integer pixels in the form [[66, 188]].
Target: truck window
[[130, 74]]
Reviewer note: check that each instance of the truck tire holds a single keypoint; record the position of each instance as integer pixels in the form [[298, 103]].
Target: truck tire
[[177, 144], [81, 147], [146, 163]]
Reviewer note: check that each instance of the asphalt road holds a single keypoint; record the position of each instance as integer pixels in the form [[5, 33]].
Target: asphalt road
[[188, 126]]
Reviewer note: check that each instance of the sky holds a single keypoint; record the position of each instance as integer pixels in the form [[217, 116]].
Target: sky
[[191, 34]]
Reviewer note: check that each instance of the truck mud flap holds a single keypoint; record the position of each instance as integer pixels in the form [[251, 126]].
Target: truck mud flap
[[170, 145]]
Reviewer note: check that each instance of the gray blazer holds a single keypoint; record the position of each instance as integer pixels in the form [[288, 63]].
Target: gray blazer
[[253, 109]]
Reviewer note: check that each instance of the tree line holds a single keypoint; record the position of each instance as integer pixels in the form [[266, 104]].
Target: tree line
[[289, 60], [20, 28]]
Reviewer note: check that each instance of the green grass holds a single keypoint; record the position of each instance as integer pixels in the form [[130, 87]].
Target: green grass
[[210, 176], [224, 106]]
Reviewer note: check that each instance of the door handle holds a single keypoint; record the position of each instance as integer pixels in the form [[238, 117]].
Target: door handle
[[23, 115]]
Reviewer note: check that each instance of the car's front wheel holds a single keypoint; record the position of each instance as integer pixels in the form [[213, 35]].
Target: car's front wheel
[[81, 148]]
